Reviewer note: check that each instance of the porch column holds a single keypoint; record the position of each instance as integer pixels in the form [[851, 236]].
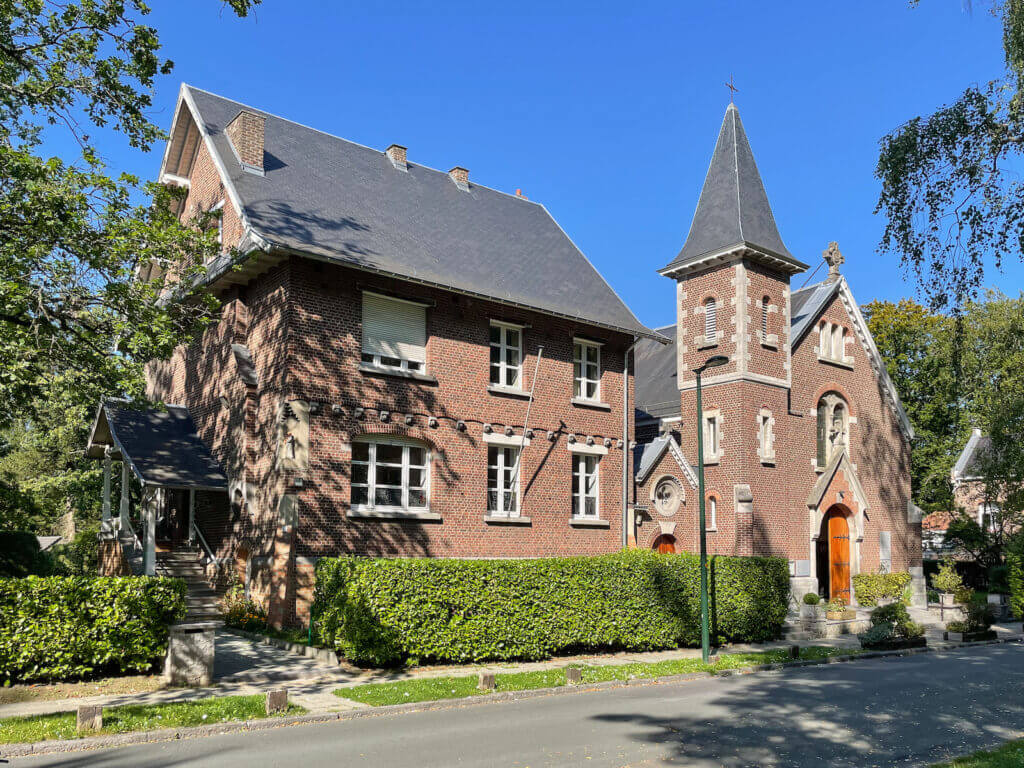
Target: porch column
[[106, 488], [149, 531], [122, 512], [191, 516]]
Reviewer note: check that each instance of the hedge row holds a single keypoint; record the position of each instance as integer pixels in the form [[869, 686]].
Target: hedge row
[[1015, 573], [872, 587], [382, 611], [60, 628]]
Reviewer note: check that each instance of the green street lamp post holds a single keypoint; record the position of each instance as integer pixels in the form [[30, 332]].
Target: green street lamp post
[[705, 634]]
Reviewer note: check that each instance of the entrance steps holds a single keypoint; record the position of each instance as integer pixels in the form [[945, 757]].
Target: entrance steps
[[202, 600]]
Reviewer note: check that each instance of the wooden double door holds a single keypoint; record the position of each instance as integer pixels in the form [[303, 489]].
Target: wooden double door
[[834, 555]]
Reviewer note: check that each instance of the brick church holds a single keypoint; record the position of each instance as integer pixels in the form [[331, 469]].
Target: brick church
[[408, 363]]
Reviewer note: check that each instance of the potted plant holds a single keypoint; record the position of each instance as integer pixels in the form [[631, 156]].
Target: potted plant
[[809, 609], [837, 610], [891, 629], [948, 582], [977, 625]]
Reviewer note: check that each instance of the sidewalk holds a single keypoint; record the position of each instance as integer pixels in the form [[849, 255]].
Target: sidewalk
[[314, 690]]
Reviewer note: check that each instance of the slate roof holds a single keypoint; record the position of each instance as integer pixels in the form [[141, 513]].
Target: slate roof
[[647, 455], [332, 198], [733, 208], [657, 393], [162, 447], [967, 466], [806, 304]]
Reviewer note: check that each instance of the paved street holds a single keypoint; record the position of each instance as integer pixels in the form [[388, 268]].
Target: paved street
[[898, 711]]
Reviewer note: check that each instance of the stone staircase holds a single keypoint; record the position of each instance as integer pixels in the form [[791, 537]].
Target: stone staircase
[[203, 601]]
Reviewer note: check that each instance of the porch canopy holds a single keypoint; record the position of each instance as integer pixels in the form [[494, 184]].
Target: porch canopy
[[161, 447]]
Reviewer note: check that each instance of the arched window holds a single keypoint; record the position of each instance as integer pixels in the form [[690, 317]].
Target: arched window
[[764, 318], [833, 427], [710, 321], [711, 513], [838, 332]]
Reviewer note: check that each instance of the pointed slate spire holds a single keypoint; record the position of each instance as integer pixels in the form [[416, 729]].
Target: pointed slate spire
[[733, 209]]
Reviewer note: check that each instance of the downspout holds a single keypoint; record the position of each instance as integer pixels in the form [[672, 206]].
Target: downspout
[[625, 439]]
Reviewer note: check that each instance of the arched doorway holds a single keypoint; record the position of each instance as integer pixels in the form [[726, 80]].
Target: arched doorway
[[834, 554], [665, 544]]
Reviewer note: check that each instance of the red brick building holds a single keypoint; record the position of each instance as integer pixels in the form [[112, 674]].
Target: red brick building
[[807, 448], [411, 364]]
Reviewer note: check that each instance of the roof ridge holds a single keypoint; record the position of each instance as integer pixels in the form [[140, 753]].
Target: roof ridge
[[350, 141]]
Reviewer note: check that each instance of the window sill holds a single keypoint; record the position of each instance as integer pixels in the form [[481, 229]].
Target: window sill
[[768, 461], [582, 402], [588, 522], [498, 389], [833, 361], [379, 370], [707, 345], [712, 460], [710, 530], [772, 342], [505, 520], [376, 514]]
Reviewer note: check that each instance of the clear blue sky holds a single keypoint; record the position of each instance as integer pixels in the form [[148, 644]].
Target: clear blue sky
[[607, 114]]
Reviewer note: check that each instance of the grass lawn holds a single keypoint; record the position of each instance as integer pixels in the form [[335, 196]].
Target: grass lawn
[[15, 730], [436, 688], [1010, 755], [15, 694]]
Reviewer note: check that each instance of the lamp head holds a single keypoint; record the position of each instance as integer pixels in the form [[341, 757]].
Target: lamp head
[[712, 362]]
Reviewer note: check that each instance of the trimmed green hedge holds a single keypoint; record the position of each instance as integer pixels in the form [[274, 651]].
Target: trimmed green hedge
[[382, 611], [1015, 573], [872, 587], [60, 628]]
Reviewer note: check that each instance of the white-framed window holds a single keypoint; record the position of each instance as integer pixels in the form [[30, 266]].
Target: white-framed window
[[506, 355], [390, 476], [710, 321], [502, 481], [585, 498], [586, 365], [711, 514], [394, 332], [712, 436]]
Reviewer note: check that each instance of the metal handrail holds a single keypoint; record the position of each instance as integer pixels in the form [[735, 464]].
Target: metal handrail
[[205, 546]]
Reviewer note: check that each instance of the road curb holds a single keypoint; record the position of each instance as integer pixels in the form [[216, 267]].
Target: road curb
[[173, 734]]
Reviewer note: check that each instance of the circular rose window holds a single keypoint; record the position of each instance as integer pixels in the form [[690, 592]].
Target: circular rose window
[[668, 496]]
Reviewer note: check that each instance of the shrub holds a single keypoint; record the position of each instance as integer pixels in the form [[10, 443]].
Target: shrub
[[1015, 573], [999, 579], [812, 598], [947, 579], [980, 615], [243, 612], [896, 622], [20, 555], [872, 587], [836, 604], [61, 628], [958, 626], [382, 611]]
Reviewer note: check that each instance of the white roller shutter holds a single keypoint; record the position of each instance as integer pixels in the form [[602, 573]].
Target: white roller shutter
[[394, 328]]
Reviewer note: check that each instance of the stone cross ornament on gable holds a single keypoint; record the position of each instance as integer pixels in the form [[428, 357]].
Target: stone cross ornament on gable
[[833, 258]]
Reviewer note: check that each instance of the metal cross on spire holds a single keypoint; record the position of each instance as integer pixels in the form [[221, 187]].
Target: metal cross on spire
[[733, 90]]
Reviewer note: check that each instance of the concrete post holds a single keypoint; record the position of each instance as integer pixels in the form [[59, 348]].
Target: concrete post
[[89, 719], [106, 487], [122, 511]]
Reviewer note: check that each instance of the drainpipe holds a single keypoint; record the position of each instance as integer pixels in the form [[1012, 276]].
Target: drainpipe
[[625, 439]]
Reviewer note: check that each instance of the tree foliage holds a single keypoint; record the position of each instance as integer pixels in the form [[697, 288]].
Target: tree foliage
[[950, 198], [74, 324], [954, 374]]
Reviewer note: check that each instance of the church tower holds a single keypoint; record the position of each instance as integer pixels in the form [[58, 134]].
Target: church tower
[[733, 298]]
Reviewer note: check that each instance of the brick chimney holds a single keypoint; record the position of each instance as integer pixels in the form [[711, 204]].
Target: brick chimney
[[245, 132], [396, 154], [461, 177]]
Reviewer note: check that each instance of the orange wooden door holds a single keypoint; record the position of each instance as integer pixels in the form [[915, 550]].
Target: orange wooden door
[[839, 557], [665, 544]]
